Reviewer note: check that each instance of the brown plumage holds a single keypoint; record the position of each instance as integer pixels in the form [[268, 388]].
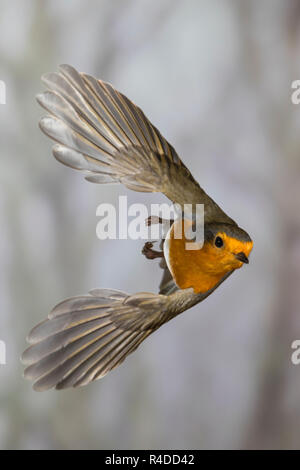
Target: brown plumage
[[101, 132]]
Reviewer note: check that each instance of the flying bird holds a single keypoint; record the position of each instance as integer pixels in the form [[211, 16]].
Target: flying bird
[[99, 131]]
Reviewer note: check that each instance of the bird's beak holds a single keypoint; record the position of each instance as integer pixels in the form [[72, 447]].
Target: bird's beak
[[242, 257]]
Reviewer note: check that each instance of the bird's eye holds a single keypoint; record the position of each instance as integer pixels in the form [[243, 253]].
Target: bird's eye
[[218, 242]]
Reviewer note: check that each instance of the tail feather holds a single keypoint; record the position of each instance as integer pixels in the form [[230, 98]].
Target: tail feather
[[85, 337]]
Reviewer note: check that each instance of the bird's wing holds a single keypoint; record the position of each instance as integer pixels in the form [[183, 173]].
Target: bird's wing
[[85, 337], [101, 132], [167, 284]]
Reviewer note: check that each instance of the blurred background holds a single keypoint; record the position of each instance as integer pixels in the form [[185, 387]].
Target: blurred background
[[215, 78]]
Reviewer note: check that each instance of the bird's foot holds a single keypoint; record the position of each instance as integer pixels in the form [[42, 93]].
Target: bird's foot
[[153, 220], [151, 254]]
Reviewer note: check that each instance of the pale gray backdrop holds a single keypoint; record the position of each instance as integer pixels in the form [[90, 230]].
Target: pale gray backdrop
[[215, 77]]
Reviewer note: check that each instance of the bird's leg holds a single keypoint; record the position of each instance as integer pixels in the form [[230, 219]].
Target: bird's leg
[[147, 249], [151, 254], [154, 219]]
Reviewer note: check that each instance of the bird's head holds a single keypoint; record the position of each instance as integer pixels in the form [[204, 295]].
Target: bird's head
[[227, 247]]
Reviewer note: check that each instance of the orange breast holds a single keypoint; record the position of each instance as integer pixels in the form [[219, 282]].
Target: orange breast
[[191, 268]]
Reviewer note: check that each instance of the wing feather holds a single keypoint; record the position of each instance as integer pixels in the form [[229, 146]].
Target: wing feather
[[100, 131]]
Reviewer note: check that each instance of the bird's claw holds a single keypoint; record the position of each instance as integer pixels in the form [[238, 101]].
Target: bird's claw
[[152, 220], [149, 253]]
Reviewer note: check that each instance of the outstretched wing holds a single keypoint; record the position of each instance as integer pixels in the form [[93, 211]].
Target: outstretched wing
[[85, 337], [100, 131]]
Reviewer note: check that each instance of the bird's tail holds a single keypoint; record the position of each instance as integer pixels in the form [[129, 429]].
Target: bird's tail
[[85, 337]]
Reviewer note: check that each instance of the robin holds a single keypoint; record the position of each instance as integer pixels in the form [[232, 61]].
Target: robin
[[101, 132]]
